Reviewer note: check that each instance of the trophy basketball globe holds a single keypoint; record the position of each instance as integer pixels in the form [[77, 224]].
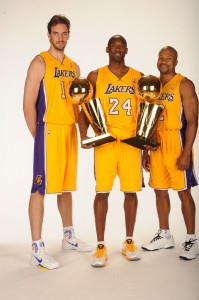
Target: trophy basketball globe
[[149, 88], [80, 92]]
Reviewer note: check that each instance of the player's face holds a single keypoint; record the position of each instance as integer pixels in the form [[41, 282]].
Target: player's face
[[59, 36], [167, 61], [117, 50]]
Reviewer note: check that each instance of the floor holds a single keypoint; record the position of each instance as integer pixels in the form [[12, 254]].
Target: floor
[[158, 275]]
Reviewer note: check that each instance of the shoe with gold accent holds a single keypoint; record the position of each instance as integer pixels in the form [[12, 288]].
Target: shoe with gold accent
[[130, 250], [100, 256], [41, 258]]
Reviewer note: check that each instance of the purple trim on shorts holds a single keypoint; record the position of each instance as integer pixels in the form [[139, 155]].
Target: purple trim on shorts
[[190, 175], [41, 102], [39, 175]]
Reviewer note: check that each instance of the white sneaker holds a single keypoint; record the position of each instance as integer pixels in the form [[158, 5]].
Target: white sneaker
[[189, 250], [41, 258], [159, 242], [100, 256], [130, 250], [75, 244]]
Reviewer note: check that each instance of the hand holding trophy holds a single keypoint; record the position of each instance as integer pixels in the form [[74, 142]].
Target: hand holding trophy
[[149, 88], [80, 92]]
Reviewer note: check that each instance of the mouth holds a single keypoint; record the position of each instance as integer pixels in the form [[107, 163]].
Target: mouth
[[60, 43]]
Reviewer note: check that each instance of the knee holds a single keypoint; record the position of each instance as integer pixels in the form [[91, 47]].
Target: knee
[[161, 194], [185, 196], [101, 197], [130, 196]]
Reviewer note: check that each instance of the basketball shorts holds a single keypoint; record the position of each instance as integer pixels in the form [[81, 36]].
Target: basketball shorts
[[118, 158], [55, 159], [164, 173]]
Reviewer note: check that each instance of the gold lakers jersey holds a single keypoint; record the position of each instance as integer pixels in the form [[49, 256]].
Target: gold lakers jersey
[[118, 98], [172, 117], [52, 103]]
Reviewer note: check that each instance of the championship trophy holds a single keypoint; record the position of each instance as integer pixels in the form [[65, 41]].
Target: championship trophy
[[80, 92], [149, 88]]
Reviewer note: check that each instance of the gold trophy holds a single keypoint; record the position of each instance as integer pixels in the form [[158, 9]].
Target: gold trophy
[[80, 92], [149, 88]]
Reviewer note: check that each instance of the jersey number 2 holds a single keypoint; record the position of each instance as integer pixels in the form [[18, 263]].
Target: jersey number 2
[[125, 106]]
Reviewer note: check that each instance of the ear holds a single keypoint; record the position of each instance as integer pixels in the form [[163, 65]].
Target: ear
[[48, 36], [107, 50], [126, 50], [176, 63]]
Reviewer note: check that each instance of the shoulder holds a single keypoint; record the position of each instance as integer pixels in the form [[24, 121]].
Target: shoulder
[[38, 61], [138, 73], [37, 67], [92, 76], [186, 83]]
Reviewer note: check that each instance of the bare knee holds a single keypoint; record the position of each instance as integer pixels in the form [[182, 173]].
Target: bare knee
[[185, 196], [161, 194]]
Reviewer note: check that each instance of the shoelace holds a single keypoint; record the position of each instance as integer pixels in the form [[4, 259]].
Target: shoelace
[[157, 237], [46, 256], [100, 252], [131, 247], [189, 244]]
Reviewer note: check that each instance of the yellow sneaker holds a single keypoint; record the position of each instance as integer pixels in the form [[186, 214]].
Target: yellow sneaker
[[100, 256], [130, 250]]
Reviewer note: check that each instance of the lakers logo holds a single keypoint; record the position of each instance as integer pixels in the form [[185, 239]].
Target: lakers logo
[[38, 179]]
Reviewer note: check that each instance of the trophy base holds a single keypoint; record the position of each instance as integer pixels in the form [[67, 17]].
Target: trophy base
[[140, 142], [99, 140]]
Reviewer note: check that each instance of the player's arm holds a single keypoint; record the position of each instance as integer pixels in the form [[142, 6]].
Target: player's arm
[[83, 121], [146, 160], [35, 74], [190, 105]]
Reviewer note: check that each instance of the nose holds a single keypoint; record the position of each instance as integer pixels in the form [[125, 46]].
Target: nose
[[163, 60], [118, 48]]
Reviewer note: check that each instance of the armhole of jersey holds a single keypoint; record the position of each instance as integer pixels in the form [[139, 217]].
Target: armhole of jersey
[[45, 65]]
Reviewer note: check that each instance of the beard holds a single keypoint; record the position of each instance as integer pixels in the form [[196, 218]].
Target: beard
[[58, 46], [163, 69]]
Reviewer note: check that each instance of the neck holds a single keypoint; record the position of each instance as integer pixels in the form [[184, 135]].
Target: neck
[[164, 78], [119, 69], [58, 54]]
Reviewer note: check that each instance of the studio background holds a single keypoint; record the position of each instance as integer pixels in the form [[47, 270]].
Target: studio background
[[147, 26]]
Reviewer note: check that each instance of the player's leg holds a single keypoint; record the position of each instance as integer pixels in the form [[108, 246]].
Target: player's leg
[[163, 208], [129, 249], [105, 172], [189, 247], [36, 212], [130, 174]]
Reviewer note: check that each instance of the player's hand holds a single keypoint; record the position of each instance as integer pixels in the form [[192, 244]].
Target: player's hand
[[183, 162], [86, 146], [146, 161], [149, 148]]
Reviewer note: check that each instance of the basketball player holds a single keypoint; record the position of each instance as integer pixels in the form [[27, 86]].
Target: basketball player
[[51, 120], [115, 86], [171, 165]]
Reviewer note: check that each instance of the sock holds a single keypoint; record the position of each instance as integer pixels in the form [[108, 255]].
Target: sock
[[190, 236], [165, 232], [129, 239], [36, 245], [68, 232], [99, 244]]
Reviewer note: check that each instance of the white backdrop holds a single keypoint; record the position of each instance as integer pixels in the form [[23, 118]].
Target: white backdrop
[[148, 26]]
